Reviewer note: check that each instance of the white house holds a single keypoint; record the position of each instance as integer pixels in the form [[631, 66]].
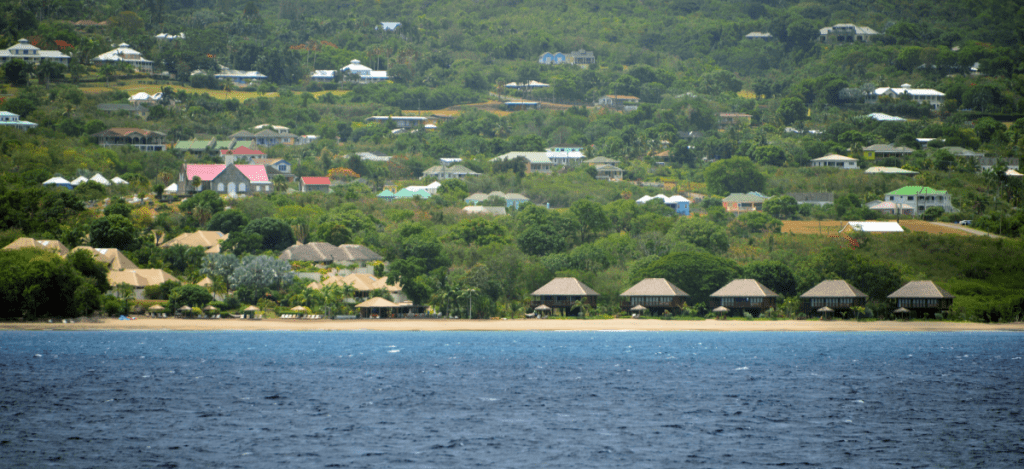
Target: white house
[[847, 32], [680, 204], [932, 98], [31, 54], [124, 53], [362, 73], [10, 119], [835, 161], [240, 77]]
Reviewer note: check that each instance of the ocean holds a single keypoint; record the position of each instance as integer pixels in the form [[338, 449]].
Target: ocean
[[511, 399]]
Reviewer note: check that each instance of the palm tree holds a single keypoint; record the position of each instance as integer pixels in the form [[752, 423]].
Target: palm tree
[[280, 183]]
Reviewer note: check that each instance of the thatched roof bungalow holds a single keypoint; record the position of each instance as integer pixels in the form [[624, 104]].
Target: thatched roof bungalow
[[744, 295], [562, 293], [922, 295], [836, 294], [655, 294]]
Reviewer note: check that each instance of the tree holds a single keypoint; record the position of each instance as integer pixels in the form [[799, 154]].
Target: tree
[[114, 231], [275, 233], [768, 155], [189, 295], [702, 233], [38, 283], [16, 72], [773, 274], [211, 200], [228, 221], [737, 174], [256, 275], [48, 69], [697, 273], [783, 207], [791, 110], [590, 219], [220, 266], [242, 242]]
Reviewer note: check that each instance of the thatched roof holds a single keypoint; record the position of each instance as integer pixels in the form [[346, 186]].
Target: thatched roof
[[834, 289], [376, 302], [654, 287], [565, 286], [207, 239], [361, 282], [112, 257], [51, 244], [139, 278], [921, 289], [748, 288], [325, 252]]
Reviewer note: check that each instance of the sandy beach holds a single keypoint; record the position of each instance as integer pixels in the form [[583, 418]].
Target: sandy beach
[[154, 324]]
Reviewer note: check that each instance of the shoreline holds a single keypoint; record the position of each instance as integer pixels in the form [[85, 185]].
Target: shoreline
[[538, 325]]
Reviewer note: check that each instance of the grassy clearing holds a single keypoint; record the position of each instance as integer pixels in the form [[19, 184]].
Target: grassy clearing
[[132, 88]]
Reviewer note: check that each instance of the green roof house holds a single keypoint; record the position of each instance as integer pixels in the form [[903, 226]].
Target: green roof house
[[921, 198]]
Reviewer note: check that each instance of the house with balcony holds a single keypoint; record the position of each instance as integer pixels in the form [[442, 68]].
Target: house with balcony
[[921, 198], [145, 140], [884, 150], [922, 296], [10, 119], [360, 73]]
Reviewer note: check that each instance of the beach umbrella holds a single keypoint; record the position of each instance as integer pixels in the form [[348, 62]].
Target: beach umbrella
[[209, 308], [543, 308], [185, 309], [901, 310], [638, 308], [720, 309], [826, 311], [156, 308], [300, 309]]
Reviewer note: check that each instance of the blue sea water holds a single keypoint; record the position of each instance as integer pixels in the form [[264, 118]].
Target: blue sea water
[[511, 399]]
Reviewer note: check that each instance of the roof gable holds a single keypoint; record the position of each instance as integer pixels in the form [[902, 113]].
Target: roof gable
[[746, 287], [654, 287], [834, 289], [565, 286]]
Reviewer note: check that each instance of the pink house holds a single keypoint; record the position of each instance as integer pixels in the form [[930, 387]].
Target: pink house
[[231, 179]]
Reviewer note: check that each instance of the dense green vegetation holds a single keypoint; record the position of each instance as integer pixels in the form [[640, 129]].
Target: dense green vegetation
[[687, 61]]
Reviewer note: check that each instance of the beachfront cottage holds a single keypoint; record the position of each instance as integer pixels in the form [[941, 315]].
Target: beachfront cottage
[[363, 285], [744, 295], [563, 293], [138, 279], [837, 295], [922, 296], [656, 295]]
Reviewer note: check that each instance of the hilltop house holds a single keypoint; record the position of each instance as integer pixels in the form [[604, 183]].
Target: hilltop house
[[921, 198], [145, 140], [846, 33], [565, 156], [536, 161], [238, 77], [835, 161], [760, 36], [927, 96], [327, 253], [125, 54], [619, 102], [749, 202], [582, 58], [401, 122], [441, 172], [355, 70], [680, 204], [31, 54], [512, 200], [552, 58], [884, 150], [314, 184], [10, 119]]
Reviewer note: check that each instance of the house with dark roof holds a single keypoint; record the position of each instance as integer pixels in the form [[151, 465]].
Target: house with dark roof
[[655, 295], [562, 293], [922, 296], [145, 140], [884, 150], [619, 102], [744, 295], [837, 295]]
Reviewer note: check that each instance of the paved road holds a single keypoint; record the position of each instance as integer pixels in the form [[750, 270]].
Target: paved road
[[966, 229]]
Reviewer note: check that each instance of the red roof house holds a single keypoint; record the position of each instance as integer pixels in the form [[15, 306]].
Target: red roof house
[[313, 183], [229, 179]]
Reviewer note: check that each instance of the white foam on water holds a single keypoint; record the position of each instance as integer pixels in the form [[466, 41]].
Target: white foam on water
[[394, 351], [741, 368]]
